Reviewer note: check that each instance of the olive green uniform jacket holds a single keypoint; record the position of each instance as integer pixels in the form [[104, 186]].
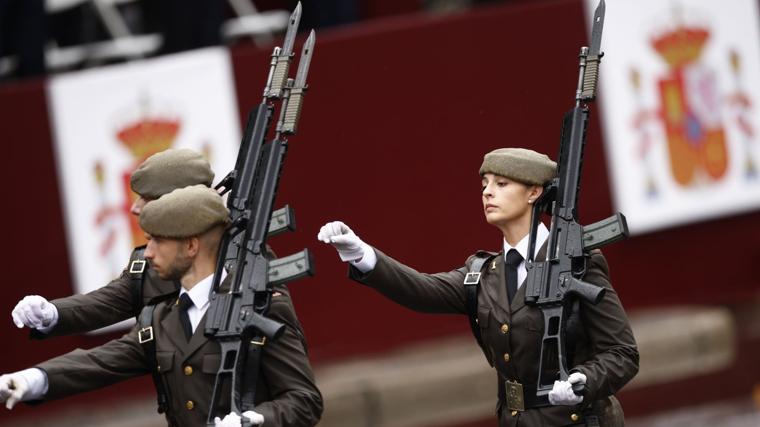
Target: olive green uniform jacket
[[286, 394], [119, 300], [605, 349]]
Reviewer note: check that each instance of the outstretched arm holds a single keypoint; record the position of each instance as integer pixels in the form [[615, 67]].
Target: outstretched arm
[[432, 293]]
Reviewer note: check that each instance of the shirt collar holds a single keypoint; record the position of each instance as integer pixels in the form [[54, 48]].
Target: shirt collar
[[522, 245], [200, 292]]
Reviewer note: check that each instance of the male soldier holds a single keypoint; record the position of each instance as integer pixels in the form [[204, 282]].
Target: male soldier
[[124, 296], [601, 349], [184, 230]]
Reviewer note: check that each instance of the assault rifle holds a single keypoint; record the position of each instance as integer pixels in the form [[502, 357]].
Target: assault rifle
[[553, 285], [237, 317]]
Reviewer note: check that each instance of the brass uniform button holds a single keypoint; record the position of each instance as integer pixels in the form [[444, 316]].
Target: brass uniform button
[[158, 368], [189, 405], [574, 417], [506, 357], [188, 370], [504, 328], [514, 413]]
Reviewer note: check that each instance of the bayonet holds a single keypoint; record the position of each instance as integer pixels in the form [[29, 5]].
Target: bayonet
[[596, 29], [293, 108], [290, 33], [590, 57], [303, 63], [281, 60]]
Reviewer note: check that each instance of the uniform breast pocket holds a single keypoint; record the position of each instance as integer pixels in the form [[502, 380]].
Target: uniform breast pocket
[[164, 361], [484, 316]]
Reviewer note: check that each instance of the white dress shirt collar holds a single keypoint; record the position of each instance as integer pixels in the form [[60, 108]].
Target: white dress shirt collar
[[522, 245], [200, 292], [199, 296]]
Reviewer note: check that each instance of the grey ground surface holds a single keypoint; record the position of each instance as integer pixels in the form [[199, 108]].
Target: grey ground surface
[[735, 413]]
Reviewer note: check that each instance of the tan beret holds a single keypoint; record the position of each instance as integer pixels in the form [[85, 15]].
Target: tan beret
[[519, 164], [168, 170], [184, 212]]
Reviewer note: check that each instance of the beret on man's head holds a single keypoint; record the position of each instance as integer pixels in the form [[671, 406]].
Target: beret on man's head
[[184, 212], [168, 170], [519, 164]]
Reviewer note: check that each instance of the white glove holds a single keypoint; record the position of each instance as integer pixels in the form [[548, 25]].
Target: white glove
[[562, 393], [29, 384], [34, 311], [349, 246], [233, 420], [12, 389]]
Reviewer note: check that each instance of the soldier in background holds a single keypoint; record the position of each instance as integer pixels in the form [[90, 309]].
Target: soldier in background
[[601, 348], [184, 231], [124, 296]]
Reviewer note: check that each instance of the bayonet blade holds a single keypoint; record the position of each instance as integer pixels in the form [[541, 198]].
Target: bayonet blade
[[290, 35], [596, 29], [303, 63]]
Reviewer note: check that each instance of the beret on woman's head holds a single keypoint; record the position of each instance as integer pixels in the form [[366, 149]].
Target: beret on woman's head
[[519, 164]]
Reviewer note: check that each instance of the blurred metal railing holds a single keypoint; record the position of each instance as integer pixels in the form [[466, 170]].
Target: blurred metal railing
[[123, 44]]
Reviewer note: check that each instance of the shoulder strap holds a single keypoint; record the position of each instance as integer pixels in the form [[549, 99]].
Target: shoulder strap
[[137, 269], [471, 285], [147, 340]]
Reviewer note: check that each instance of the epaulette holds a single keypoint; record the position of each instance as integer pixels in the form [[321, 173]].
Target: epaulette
[[484, 254]]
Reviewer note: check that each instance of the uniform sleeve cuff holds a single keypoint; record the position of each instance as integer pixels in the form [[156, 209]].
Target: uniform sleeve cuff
[[37, 381], [368, 261], [53, 321]]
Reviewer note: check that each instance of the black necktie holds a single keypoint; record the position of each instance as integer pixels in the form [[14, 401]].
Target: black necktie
[[513, 261], [184, 303]]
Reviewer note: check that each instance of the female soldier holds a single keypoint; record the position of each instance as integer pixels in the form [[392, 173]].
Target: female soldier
[[601, 348]]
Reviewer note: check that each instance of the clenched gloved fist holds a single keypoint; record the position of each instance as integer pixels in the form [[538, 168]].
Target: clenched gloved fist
[[562, 393], [13, 387], [34, 311], [349, 246], [233, 420]]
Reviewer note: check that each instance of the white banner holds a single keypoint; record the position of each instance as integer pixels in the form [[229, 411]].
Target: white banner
[[107, 121], [679, 95]]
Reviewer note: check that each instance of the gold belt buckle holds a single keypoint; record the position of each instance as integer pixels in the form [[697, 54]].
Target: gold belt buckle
[[515, 397]]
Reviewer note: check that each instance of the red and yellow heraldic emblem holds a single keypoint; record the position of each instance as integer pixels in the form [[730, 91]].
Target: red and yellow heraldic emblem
[[691, 102]]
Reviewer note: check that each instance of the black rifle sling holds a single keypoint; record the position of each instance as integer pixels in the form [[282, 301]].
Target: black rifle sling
[[471, 286], [147, 340], [253, 360], [251, 375], [137, 267]]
